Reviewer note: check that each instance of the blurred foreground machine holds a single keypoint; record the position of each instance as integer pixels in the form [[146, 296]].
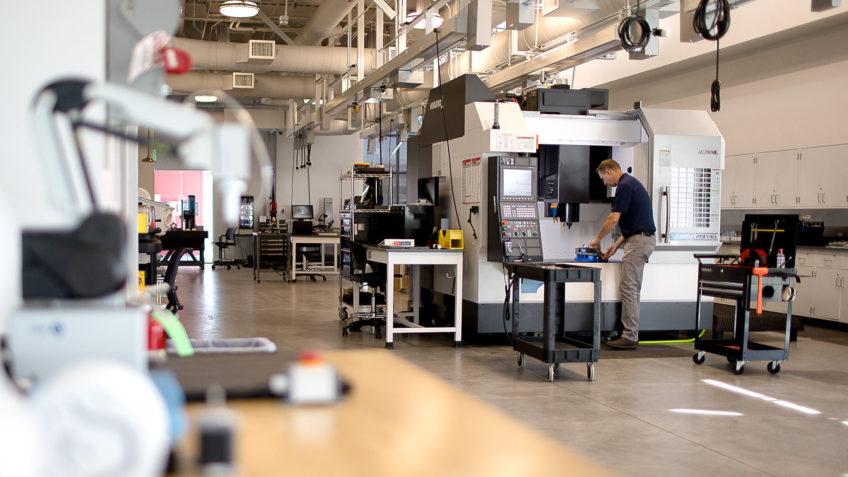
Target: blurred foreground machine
[[526, 190]]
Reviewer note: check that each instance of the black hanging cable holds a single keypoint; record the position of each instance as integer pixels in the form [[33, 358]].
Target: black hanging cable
[[713, 31], [294, 160], [380, 129], [630, 43], [715, 87], [445, 126]]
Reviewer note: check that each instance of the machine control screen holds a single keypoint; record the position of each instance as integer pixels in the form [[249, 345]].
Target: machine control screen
[[517, 183]]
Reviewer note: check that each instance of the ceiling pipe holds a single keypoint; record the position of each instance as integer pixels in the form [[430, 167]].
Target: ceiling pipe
[[210, 55], [324, 21], [265, 85]]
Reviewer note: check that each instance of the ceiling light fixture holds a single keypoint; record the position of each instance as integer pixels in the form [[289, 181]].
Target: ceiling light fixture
[[205, 98], [422, 24], [239, 9]]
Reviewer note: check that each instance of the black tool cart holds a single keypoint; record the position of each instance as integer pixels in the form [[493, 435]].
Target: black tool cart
[[763, 272], [554, 347]]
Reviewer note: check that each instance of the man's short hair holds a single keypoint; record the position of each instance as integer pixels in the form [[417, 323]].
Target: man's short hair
[[608, 165]]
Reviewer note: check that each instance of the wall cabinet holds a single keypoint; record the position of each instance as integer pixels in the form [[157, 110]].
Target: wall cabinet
[[810, 178], [736, 190]]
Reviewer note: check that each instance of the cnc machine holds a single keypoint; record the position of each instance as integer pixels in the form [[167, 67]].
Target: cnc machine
[[677, 155]]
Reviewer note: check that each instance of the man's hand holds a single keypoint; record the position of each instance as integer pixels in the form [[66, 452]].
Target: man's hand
[[611, 251], [595, 244]]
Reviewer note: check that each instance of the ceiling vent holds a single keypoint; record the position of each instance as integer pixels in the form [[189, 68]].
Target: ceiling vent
[[241, 81], [260, 52]]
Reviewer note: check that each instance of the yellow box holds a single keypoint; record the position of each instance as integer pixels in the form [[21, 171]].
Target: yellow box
[[451, 239], [141, 279], [142, 223]]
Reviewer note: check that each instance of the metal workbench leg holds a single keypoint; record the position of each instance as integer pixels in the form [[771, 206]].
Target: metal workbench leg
[[549, 317], [559, 309], [596, 314], [416, 293], [293, 260], [390, 303], [457, 308]]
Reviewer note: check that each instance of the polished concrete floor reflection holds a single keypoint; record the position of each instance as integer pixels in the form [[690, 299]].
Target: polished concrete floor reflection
[[640, 416]]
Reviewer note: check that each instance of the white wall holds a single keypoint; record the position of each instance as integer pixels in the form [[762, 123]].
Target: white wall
[[791, 94], [330, 156]]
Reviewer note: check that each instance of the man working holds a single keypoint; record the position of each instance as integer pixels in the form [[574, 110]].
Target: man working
[[631, 210]]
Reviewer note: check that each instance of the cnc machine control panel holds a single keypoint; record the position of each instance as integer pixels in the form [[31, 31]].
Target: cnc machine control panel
[[514, 233]]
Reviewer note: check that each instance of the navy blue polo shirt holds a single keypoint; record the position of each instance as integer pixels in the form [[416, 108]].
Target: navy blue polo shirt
[[634, 204]]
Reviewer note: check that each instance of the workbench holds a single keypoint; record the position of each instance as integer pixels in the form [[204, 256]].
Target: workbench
[[417, 256], [397, 421], [192, 239], [319, 268]]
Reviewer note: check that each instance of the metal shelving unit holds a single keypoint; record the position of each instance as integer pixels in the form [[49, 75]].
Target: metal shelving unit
[[348, 214]]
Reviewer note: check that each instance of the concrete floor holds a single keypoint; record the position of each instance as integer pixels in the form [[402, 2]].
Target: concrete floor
[[622, 420]]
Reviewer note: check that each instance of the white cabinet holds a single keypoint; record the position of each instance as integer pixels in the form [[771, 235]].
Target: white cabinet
[[827, 294], [775, 179], [812, 178], [803, 303], [821, 177], [738, 174]]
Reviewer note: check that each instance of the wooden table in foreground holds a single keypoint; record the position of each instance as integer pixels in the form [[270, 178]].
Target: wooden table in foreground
[[399, 420]]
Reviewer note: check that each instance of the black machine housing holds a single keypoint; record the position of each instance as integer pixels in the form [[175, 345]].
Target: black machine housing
[[567, 176]]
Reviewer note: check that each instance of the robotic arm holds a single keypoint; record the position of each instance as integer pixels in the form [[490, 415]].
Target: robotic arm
[[52, 259], [223, 149]]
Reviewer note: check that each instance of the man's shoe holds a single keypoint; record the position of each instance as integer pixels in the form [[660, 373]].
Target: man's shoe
[[621, 343]]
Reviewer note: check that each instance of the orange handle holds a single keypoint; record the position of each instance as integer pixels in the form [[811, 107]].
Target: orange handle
[[760, 273]]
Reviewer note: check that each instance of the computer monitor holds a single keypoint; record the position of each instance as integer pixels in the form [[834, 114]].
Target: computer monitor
[[302, 212]]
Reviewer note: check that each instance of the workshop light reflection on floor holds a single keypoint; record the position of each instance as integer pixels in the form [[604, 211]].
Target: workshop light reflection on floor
[[706, 412], [756, 395]]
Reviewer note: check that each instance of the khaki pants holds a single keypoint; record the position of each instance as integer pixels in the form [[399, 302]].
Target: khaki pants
[[637, 251]]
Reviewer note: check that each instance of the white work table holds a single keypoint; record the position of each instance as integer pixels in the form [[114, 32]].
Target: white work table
[[417, 256], [322, 240]]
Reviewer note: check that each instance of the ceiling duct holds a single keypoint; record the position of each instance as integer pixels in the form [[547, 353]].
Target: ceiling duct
[[264, 85], [322, 24], [210, 55]]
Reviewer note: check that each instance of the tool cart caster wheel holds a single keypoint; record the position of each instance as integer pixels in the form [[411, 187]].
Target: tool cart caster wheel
[[343, 314], [590, 371], [552, 372], [699, 357], [731, 359], [739, 368], [522, 360], [344, 332], [773, 367]]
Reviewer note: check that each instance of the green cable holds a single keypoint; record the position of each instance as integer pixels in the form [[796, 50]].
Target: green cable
[[175, 330], [688, 340]]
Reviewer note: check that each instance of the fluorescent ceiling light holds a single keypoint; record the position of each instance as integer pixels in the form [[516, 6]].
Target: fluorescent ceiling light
[[422, 25], [706, 412], [205, 98], [239, 8]]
